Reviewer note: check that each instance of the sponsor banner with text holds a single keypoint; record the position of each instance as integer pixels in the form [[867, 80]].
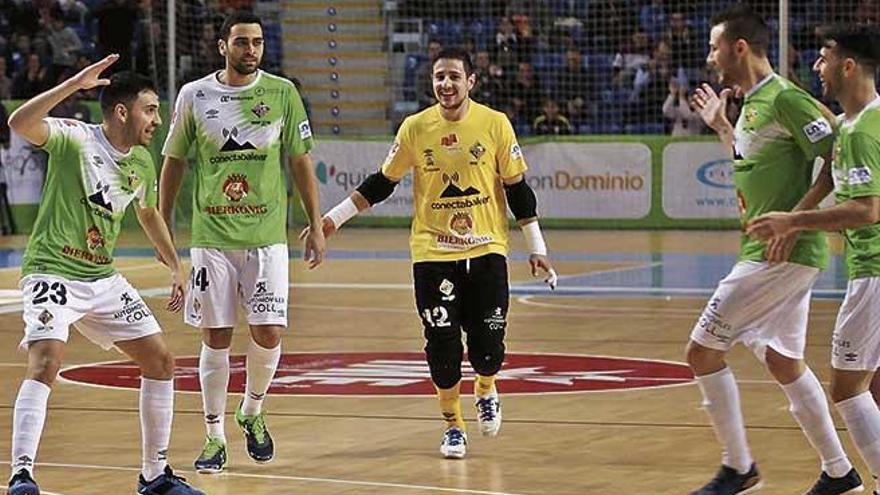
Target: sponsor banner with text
[[698, 181]]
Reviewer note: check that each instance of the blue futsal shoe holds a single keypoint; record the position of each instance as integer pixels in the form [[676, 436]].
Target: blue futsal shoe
[[167, 483], [22, 484]]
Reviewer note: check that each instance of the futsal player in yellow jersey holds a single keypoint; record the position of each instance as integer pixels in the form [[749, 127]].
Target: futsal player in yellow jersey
[[467, 169]]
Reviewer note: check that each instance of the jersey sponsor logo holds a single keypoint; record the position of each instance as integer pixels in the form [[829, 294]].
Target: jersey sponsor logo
[[236, 187], [228, 98], [98, 197], [94, 238], [231, 144], [859, 176], [97, 161], [407, 374], [497, 320], [98, 259], [818, 130], [200, 94], [212, 113], [453, 190], [515, 152], [461, 223], [133, 310], [450, 142], [236, 210], [305, 130]]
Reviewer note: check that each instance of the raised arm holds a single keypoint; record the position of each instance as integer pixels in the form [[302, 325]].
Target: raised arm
[[27, 120]]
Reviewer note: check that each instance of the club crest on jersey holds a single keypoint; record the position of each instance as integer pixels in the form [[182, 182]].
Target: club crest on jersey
[[236, 187], [477, 151], [45, 317], [751, 114], [94, 238], [260, 109], [133, 180], [462, 223]]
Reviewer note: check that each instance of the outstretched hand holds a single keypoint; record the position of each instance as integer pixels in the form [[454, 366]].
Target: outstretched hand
[[712, 106], [90, 77]]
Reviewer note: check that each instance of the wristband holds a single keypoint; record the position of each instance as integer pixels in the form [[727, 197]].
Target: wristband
[[534, 238], [342, 212]]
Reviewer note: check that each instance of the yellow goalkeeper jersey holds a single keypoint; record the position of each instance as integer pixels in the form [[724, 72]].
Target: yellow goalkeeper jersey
[[459, 206]]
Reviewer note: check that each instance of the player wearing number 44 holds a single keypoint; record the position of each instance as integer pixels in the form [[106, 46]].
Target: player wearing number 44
[[95, 172], [465, 161]]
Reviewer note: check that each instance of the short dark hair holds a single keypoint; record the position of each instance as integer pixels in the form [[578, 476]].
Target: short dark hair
[[456, 54], [238, 17], [861, 42], [124, 88], [743, 23]]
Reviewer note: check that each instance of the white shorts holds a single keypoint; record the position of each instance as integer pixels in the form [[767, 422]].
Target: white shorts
[[759, 304], [221, 280], [106, 311], [855, 344]]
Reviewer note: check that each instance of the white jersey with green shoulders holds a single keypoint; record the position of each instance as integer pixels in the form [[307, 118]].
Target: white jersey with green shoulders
[[779, 134], [238, 134], [89, 184]]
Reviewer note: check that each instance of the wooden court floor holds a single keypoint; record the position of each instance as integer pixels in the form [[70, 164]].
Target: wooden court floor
[[650, 441]]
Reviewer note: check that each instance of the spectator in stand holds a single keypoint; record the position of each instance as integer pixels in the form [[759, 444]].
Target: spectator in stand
[[635, 53], [424, 78], [677, 109], [536, 14], [20, 53], [73, 11], [652, 18], [5, 80], [867, 12], [206, 56], [526, 94], [65, 44], [650, 87], [30, 81], [573, 88], [687, 53], [505, 50], [489, 89], [551, 122], [116, 28], [609, 21]]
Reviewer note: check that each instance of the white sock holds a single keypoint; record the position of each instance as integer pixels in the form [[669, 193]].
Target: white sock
[[214, 379], [810, 408], [721, 401], [261, 366], [27, 423], [157, 410], [862, 418]]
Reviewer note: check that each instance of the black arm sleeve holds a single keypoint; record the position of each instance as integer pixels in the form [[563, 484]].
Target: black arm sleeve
[[376, 188], [521, 200]]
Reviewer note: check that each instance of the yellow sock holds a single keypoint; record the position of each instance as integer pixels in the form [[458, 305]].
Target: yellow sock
[[450, 406], [483, 385]]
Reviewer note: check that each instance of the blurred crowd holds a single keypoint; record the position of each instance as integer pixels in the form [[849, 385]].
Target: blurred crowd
[[601, 66]]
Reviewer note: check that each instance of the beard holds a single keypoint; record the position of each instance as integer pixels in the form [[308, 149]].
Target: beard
[[243, 68]]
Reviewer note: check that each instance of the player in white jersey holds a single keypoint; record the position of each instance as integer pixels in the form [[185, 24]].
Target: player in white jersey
[[95, 172], [238, 122]]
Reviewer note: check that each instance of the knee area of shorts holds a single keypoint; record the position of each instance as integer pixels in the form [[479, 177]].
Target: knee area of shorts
[[445, 373], [487, 363]]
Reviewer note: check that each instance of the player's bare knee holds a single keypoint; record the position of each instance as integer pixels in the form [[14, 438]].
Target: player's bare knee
[[217, 338], [43, 367], [703, 360], [267, 337], [848, 384], [783, 368]]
